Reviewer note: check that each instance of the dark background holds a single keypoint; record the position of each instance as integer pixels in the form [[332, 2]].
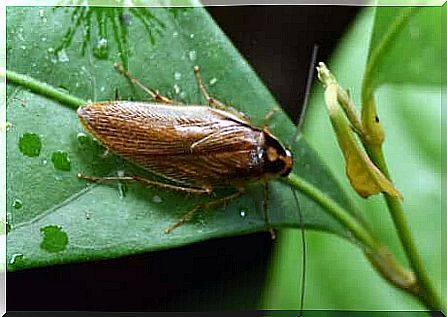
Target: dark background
[[214, 275]]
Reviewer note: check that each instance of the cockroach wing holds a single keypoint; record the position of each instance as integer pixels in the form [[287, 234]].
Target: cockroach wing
[[188, 144]]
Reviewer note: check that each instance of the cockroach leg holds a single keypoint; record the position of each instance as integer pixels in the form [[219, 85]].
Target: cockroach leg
[[265, 212], [188, 215], [105, 153], [268, 116], [213, 102], [117, 95], [192, 190], [184, 218], [153, 93]]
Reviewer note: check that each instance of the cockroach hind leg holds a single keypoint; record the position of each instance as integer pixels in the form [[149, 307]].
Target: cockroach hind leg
[[184, 218], [189, 214], [151, 92], [192, 190]]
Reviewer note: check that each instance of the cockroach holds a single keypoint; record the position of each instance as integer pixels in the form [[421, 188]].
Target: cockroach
[[194, 148]]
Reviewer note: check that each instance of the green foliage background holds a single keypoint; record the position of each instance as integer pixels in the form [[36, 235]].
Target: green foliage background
[[409, 107]]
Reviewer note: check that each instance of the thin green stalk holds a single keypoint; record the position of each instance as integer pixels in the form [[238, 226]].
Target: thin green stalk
[[42, 88], [333, 208], [376, 252], [429, 293]]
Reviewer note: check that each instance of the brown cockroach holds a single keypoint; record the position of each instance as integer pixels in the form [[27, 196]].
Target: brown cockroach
[[195, 148]]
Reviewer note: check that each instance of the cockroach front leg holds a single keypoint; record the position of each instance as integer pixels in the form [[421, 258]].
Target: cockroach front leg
[[212, 102], [153, 93], [191, 190], [268, 116], [189, 214]]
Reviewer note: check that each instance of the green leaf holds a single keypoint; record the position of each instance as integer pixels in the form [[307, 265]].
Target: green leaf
[[396, 32], [101, 221], [411, 116]]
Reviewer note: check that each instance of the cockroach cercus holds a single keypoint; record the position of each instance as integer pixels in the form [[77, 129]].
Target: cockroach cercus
[[195, 148]]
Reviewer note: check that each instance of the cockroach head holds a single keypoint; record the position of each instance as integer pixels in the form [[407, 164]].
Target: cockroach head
[[279, 160]]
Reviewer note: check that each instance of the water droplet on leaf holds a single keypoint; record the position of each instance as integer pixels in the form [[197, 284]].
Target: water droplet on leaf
[[54, 238], [101, 49], [17, 204], [176, 89], [30, 144], [16, 259], [61, 161], [157, 199], [83, 138], [192, 55], [62, 56]]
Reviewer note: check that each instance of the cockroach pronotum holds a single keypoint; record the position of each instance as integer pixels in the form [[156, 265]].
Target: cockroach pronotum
[[195, 148]]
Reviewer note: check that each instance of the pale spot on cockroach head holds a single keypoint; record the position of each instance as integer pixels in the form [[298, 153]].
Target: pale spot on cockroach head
[[272, 154], [279, 160]]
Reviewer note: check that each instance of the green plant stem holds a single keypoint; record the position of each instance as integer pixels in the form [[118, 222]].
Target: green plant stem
[[43, 89], [429, 294], [338, 212], [376, 252]]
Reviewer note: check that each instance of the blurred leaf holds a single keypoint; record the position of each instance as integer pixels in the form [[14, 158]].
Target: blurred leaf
[[410, 112], [98, 221], [396, 34]]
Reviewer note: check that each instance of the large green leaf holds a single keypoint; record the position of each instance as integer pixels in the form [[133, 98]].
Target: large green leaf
[[400, 30], [57, 218], [410, 110]]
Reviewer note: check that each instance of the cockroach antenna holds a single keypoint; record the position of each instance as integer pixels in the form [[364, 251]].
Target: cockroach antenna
[[293, 141], [310, 77], [303, 258]]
